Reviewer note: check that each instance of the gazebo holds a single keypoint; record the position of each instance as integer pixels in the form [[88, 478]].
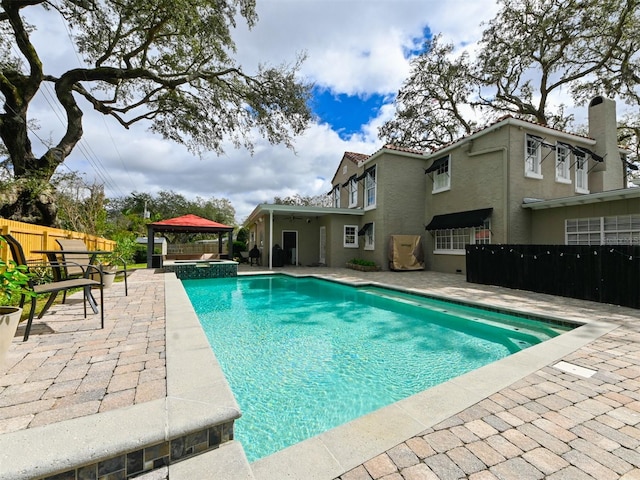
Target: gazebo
[[186, 224]]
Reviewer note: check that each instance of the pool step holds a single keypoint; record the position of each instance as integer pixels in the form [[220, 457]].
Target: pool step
[[543, 331], [228, 462]]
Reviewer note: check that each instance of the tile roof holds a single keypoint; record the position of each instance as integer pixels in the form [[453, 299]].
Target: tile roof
[[496, 122], [356, 158]]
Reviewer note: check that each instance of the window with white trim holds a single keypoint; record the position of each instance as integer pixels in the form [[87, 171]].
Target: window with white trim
[[369, 238], [615, 230], [563, 159], [336, 197], [482, 235], [370, 188], [453, 240], [353, 192], [582, 179], [350, 238], [441, 177], [533, 157]]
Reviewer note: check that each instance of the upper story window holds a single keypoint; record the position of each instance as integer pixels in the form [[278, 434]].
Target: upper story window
[[563, 159], [441, 177], [336, 197], [350, 238], [533, 157], [353, 192], [582, 179], [370, 188]]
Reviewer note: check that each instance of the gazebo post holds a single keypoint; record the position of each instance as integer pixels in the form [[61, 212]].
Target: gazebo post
[[150, 244]]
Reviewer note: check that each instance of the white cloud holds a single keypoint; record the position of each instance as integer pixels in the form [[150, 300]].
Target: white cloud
[[352, 46]]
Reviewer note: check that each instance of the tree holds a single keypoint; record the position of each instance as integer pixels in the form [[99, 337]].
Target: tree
[[81, 206], [430, 103], [127, 213], [167, 62], [531, 51], [629, 137], [304, 200]]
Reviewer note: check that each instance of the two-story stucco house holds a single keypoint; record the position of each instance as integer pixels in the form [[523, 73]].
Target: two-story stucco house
[[513, 182]]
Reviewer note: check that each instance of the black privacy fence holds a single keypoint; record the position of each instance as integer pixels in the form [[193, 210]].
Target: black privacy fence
[[602, 273]]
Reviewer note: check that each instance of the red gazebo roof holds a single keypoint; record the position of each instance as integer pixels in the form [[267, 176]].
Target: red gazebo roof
[[191, 221]]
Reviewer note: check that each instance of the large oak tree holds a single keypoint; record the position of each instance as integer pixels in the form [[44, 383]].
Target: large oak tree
[[531, 53], [167, 62]]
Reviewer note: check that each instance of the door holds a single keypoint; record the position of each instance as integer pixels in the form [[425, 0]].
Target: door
[[290, 247], [323, 245]]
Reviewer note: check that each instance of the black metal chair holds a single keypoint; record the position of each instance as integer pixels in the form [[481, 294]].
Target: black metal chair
[[74, 260], [55, 286]]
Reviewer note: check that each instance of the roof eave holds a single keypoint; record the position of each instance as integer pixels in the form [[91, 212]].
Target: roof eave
[[608, 196]]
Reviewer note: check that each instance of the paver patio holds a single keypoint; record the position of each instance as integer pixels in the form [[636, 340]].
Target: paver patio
[[559, 423]]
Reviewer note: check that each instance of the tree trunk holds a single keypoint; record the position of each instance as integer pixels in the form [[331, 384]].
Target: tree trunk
[[30, 202]]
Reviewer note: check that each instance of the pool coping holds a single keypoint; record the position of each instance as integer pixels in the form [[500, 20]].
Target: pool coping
[[197, 399], [335, 452]]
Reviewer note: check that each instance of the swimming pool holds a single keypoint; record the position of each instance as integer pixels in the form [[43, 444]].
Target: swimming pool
[[304, 355]]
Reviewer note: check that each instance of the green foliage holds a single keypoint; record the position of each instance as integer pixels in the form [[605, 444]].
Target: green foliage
[[364, 263], [304, 200], [14, 280], [239, 247], [125, 248], [81, 206], [243, 235], [126, 214]]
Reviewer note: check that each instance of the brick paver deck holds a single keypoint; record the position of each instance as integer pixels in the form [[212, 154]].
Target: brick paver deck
[[70, 367], [550, 424]]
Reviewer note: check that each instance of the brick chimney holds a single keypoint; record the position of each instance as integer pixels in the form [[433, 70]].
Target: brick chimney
[[603, 129]]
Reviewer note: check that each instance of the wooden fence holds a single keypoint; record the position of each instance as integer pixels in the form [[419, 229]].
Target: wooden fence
[[36, 237], [602, 273]]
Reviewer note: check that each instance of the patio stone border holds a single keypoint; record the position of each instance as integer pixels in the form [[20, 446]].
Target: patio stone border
[[197, 415]]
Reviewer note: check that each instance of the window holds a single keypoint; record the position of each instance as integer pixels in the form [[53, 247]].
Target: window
[[482, 234], [350, 236], [441, 177], [370, 188], [369, 241], [453, 240], [617, 230], [353, 192], [582, 182], [532, 159], [563, 158], [336, 197]]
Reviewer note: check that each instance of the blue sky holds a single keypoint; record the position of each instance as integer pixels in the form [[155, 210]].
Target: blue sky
[[346, 114], [358, 55]]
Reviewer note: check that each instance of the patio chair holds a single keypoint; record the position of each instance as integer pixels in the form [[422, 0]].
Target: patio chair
[[77, 258], [52, 288]]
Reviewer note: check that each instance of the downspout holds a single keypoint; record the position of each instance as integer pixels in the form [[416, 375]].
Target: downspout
[[270, 251], [505, 184]]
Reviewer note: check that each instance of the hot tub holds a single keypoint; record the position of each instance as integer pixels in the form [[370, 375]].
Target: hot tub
[[211, 268]]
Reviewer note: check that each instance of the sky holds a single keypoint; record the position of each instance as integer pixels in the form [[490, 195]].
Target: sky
[[358, 55]]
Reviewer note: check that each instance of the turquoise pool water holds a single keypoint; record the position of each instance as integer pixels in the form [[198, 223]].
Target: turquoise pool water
[[304, 355]]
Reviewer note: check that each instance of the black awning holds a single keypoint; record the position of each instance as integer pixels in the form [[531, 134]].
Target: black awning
[[470, 218], [437, 164], [352, 177], [364, 229]]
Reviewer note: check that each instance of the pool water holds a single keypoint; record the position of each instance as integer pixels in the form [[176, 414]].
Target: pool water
[[305, 355]]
